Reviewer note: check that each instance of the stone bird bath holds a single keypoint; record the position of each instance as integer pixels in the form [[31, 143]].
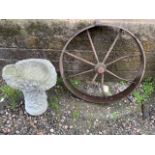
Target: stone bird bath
[[33, 77]]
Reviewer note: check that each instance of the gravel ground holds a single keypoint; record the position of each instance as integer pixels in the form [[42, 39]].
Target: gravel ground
[[75, 116], [72, 116]]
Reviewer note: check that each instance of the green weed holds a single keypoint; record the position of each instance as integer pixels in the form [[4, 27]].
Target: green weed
[[75, 83], [123, 82], [140, 98], [54, 104], [59, 81], [76, 114], [13, 96], [146, 91], [115, 115]]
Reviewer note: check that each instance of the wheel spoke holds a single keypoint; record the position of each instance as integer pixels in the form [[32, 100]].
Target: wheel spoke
[[111, 62], [92, 45], [94, 78], [102, 83], [81, 59], [111, 47], [113, 74], [81, 73]]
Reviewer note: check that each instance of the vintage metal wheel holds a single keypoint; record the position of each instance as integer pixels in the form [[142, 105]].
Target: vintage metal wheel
[[87, 66]]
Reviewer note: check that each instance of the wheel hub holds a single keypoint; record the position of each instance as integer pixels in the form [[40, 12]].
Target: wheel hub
[[100, 68]]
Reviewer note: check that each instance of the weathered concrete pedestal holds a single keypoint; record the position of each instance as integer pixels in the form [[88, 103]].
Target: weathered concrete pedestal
[[35, 102]]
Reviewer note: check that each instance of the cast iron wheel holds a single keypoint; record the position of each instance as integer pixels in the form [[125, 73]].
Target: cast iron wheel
[[89, 68]]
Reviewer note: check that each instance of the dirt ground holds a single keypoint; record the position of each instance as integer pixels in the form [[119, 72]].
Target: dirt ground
[[72, 116]]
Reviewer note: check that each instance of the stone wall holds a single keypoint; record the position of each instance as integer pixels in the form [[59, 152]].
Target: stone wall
[[20, 39]]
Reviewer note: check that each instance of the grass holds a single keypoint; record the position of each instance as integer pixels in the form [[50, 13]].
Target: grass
[[60, 88], [123, 82], [115, 115], [145, 92], [76, 115], [60, 81], [59, 91], [54, 104], [13, 96], [75, 82]]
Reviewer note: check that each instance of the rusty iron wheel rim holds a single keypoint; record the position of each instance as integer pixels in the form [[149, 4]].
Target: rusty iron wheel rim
[[104, 99]]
